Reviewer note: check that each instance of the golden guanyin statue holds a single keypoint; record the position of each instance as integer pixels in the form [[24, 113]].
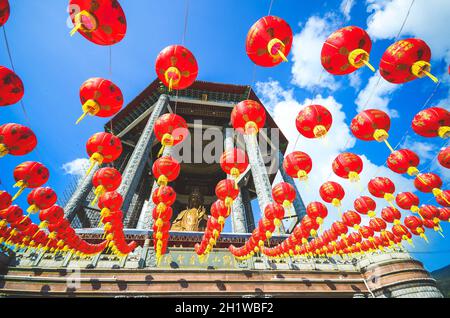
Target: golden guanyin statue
[[194, 217]]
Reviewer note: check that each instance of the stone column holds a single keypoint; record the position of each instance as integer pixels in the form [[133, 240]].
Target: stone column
[[246, 202], [299, 206], [238, 219], [79, 196], [259, 172], [137, 161]]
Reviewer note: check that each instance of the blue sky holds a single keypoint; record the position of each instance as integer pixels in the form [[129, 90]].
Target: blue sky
[[53, 65]]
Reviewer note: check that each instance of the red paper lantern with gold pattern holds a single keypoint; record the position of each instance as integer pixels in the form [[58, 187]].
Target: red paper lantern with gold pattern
[[234, 162], [415, 225], [52, 215], [365, 205], [408, 201], [101, 22], [404, 161], [314, 121], [340, 229], [444, 198], [332, 192], [429, 212], [105, 180], [346, 50], [170, 129], [406, 60], [310, 225], [227, 192], [176, 67], [11, 87], [429, 183], [11, 214], [16, 140], [30, 174], [444, 157], [165, 195], [102, 148], [220, 211], [298, 164], [402, 231], [100, 97], [41, 199], [248, 117], [391, 215], [377, 224], [317, 211], [372, 124], [348, 165], [274, 212], [382, 187], [351, 219], [166, 169], [432, 122], [5, 200], [284, 193], [269, 41], [444, 214], [366, 232]]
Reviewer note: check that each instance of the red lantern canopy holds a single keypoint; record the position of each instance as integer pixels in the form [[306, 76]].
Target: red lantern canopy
[[406, 60], [284, 193], [4, 11], [30, 174], [234, 162], [314, 121], [317, 211], [16, 140], [11, 87], [298, 165], [100, 97], [227, 192], [404, 161], [444, 198], [365, 205], [351, 219], [176, 67], [347, 165], [346, 50], [391, 215], [219, 211], [382, 187], [170, 129], [444, 157], [408, 201], [5, 200], [101, 22], [432, 122], [41, 199], [332, 192], [372, 124], [269, 41], [102, 148], [166, 169], [105, 180], [248, 117]]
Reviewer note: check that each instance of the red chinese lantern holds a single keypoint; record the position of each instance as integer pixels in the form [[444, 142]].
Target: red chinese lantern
[[444, 198], [30, 174], [444, 157], [402, 231], [163, 197], [274, 212], [377, 225], [11, 214], [317, 211], [444, 214], [391, 215], [310, 225], [5, 200], [227, 192], [340, 229], [298, 165], [176, 67], [109, 202], [332, 192], [100, 97], [269, 41], [314, 121], [429, 183], [404, 161], [382, 187], [101, 22], [347, 165], [52, 215], [346, 50], [432, 122], [351, 219], [366, 232], [219, 211], [162, 216], [16, 140], [372, 124], [415, 225], [284, 193], [248, 117], [4, 11], [102, 148], [234, 162], [429, 212], [406, 60], [105, 180], [41, 199], [365, 205], [170, 129], [166, 169], [11, 87], [408, 201]]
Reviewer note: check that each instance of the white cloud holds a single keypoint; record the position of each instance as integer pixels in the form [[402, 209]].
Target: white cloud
[[424, 150], [346, 7], [355, 80], [307, 70], [77, 167], [377, 94]]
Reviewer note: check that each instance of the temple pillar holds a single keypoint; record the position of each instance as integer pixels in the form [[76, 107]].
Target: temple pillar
[[259, 173], [80, 195], [138, 159], [246, 202], [238, 219], [299, 206]]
